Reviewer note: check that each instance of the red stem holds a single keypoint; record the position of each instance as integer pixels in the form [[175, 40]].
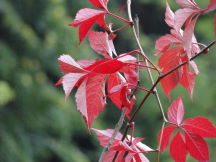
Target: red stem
[[144, 57], [121, 28], [140, 65], [120, 18], [141, 88]]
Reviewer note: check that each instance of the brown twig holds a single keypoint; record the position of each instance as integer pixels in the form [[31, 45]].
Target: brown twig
[[116, 130]]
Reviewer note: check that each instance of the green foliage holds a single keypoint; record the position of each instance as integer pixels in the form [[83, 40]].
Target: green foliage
[[36, 124]]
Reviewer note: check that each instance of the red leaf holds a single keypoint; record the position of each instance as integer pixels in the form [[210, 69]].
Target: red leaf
[[119, 93], [110, 155], [167, 132], [68, 65], [211, 6], [164, 42], [176, 111], [59, 82], [105, 135], [133, 157], [124, 97], [100, 3], [130, 72], [85, 18], [86, 62], [69, 80], [137, 142], [188, 35], [122, 146], [131, 75], [106, 66], [101, 22], [140, 158], [127, 58], [178, 148], [201, 126], [187, 4], [194, 131], [187, 79], [133, 150], [170, 59], [114, 80], [196, 145], [194, 67], [181, 15], [169, 16], [100, 42], [90, 97], [129, 157]]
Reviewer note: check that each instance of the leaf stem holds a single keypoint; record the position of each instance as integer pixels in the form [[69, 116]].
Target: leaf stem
[[120, 18], [140, 65], [121, 28], [140, 88], [145, 58]]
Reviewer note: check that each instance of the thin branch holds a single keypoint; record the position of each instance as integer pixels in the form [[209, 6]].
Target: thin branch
[[146, 90], [136, 20], [146, 62], [116, 130], [137, 25], [159, 144]]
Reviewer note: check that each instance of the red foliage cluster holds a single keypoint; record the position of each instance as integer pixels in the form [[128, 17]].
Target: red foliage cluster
[[115, 76], [189, 137]]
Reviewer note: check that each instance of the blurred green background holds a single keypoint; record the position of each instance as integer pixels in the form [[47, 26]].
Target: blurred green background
[[36, 124]]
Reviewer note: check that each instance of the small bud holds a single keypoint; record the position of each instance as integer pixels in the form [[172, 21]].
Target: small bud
[[206, 51]]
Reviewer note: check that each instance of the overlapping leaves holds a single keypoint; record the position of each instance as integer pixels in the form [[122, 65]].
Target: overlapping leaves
[[185, 48], [87, 17], [90, 76], [120, 76], [189, 136], [130, 150]]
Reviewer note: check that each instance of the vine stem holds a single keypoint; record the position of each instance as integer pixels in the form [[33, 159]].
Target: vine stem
[[159, 144], [146, 62]]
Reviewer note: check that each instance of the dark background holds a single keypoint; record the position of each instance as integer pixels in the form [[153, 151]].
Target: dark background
[[36, 124]]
